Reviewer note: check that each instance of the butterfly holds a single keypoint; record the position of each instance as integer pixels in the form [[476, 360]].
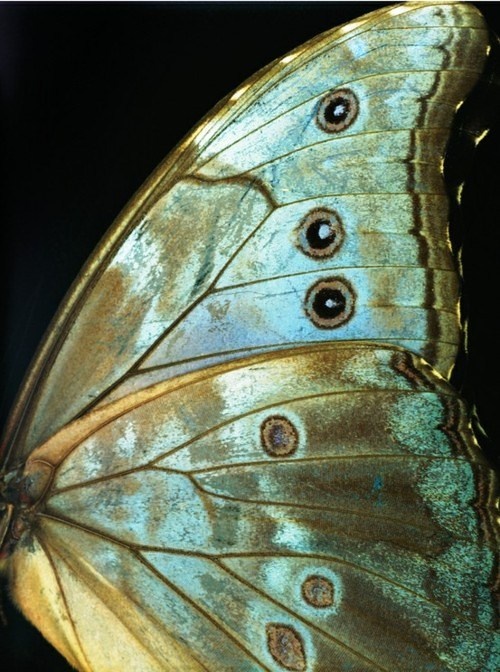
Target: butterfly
[[328, 584]]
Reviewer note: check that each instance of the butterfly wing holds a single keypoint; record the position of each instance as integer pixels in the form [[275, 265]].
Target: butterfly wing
[[213, 259], [304, 510], [262, 528]]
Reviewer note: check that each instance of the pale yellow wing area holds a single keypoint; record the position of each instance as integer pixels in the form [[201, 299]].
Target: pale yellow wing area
[[325, 508], [213, 260]]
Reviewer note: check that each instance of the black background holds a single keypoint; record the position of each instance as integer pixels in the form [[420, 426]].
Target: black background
[[93, 97]]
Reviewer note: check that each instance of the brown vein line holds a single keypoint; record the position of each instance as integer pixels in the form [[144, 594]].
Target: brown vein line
[[339, 194], [105, 536], [314, 507], [330, 509], [248, 181], [300, 618], [48, 554], [298, 507], [385, 233], [404, 132], [321, 271], [453, 26], [442, 195], [420, 340], [364, 162], [289, 345], [331, 267], [321, 558], [371, 305], [199, 166], [322, 458]]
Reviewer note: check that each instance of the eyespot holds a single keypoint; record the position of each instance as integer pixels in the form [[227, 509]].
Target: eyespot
[[320, 233], [330, 303], [278, 436], [337, 111], [318, 591], [286, 646]]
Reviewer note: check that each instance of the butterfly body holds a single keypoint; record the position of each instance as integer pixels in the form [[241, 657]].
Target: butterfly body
[[259, 463]]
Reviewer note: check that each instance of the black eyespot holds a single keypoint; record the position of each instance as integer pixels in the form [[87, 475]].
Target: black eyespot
[[330, 303], [337, 110], [278, 436], [320, 233]]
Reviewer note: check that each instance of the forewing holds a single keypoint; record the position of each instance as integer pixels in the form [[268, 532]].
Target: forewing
[[206, 264]]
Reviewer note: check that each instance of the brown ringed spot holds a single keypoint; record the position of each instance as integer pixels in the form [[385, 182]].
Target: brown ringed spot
[[318, 591], [286, 646], [330, 303], [278, 436], [320, 233], [337, 110]]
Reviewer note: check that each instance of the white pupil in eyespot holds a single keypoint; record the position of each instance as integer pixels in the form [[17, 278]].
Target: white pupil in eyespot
[[324, 231], [339, 110], [330, 303]]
